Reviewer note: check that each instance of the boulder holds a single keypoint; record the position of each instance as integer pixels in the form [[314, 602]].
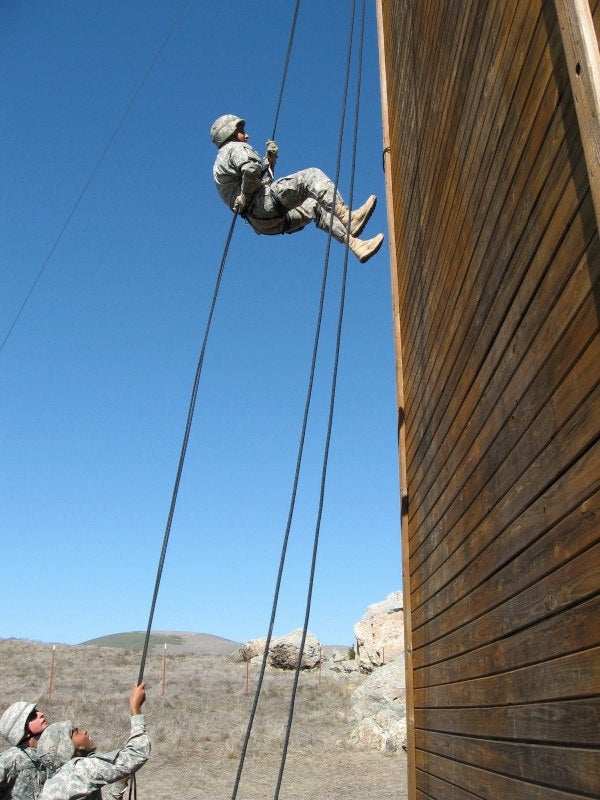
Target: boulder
[[339, 655], [251, 649], [380, 633], [284, 651], [378, 709], [340, 667]]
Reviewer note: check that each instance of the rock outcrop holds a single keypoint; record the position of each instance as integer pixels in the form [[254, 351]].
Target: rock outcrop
[[283, 651], [378, 709], [380, 633], [253, 648], [338, 663]]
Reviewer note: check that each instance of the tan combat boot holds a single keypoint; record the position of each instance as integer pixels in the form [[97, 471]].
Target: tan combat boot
[[363, 249], [356, 219]]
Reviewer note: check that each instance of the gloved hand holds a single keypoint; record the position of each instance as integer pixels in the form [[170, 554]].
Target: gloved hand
[[272, 152], [241, 203]]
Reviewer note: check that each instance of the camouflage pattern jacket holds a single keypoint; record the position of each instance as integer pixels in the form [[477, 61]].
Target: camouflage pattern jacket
[[21, 775], [83, 777], [239, 168]]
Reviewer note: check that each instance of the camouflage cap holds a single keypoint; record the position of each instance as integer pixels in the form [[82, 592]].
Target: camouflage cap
[[55, 746], [13, 723]]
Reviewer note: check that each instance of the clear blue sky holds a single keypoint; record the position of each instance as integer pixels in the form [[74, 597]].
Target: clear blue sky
[[97, 373]]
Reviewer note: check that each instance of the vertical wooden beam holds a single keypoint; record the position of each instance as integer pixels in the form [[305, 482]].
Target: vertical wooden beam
[[389, 178], [583, 61]]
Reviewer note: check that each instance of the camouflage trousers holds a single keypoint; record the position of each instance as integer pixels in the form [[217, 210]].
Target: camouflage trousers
[[289, 204]]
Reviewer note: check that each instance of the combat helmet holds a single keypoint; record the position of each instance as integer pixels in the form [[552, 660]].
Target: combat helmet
[[224, 127], [55, 746], [13, 723]]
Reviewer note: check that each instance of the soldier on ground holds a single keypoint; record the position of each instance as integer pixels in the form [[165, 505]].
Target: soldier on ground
[[20, 775], [75, 770]]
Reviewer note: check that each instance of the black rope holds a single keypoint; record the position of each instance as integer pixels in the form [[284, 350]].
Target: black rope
[[193, 399], [297, 475], [132, 788], [184, 445], [93, 173], [285, 68], [333, 390]]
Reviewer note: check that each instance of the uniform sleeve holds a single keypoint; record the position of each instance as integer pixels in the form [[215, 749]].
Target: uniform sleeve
[[248, 164], [20, 775], [81, 776], [9, 766]]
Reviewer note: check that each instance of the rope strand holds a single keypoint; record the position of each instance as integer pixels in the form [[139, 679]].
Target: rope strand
[[302, 436], [285, 68], [195, 391], [184, 445], [299, 460], [332, 395]]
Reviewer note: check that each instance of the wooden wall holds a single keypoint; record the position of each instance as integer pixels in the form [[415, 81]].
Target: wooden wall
[[495, 266]]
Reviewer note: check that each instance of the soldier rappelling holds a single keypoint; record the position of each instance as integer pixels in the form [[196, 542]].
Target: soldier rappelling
[[246, 184]]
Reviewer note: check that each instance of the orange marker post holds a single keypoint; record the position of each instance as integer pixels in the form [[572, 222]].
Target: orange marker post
[[51, 672], [320, 662]]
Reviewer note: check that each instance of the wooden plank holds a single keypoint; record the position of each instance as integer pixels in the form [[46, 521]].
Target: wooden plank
[[482, 360], [486, 310], [573, 582], [567, 722], [459, 573], [466, 233], [521, 558], [476, 45], [432, 786], [421, 388], [569, 677], [559, 316], [440, 148], [485, 313], [466, 21], [402, 124], [516, 483], [490, 552], [473, 128], [583, 61], [512, 351], [493, 361], [484, 783], [408, 135], [390, 192], [424, 93], [549, 638], [563, 768], [415, 320]]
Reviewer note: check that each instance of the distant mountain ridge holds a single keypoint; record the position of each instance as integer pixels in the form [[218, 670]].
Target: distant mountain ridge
[[176, 641]]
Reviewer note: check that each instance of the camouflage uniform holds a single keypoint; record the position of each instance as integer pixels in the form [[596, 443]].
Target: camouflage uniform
[[285, 205], [21, 775], [80, 777]]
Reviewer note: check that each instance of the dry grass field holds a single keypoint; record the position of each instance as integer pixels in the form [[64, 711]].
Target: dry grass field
[[198, 726]]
